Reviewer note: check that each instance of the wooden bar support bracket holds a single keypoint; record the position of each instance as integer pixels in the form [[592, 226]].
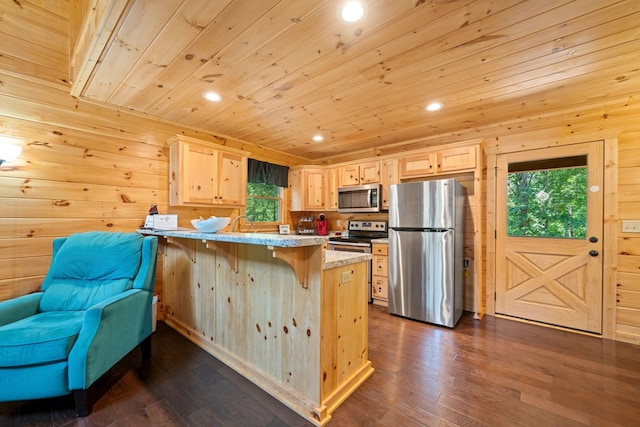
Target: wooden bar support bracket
[[227, 250], [188, 246], [295, 257]]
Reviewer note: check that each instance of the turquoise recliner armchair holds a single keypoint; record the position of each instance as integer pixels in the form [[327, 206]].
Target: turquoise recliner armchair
[[94, 307]]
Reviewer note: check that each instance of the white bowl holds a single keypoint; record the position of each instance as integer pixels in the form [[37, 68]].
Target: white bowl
[[210, 225]]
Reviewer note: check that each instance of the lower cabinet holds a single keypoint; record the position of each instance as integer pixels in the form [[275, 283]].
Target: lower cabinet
[[379, 280]]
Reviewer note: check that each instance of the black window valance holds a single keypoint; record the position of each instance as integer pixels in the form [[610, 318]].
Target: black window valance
[[268, 173]]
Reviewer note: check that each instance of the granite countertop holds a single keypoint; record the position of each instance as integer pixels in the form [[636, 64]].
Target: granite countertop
[[384, 241], [265, 239], [333, 259]]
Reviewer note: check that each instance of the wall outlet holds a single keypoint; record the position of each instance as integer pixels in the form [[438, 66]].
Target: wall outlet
[[346, 276], [631, 226]]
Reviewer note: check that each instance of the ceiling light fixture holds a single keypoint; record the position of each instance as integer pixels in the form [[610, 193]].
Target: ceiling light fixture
[[352, 11], [434, 106], [212, 96], [318, 138], [9, 152]]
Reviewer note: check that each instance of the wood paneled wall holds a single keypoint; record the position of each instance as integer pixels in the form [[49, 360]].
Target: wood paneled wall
[[628, 244], [83, 166], [88, 167], [620, 131]]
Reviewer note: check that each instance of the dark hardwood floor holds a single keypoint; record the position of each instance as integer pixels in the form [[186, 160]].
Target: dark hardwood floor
[[495, 372]]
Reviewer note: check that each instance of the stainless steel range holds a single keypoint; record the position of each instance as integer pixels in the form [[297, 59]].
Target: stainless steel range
[[359, 237]]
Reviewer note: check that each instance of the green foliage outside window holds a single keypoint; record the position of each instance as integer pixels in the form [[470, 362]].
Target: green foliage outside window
[[547, 203], [263, 202]]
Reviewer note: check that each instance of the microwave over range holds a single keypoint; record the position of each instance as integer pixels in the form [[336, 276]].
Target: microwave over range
[[360, 198]]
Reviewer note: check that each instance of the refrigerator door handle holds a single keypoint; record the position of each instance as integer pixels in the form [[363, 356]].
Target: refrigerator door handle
[[420, 230]]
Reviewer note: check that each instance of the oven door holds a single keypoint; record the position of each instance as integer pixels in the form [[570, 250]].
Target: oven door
[[359, 248]]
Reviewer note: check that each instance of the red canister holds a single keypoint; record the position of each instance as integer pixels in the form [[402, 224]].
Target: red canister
[[323, 225]]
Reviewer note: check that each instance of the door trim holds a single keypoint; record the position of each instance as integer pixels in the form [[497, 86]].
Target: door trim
[[610, 218]]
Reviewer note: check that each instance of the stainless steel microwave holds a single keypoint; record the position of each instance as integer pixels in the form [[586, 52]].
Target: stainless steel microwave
[[360, 198]]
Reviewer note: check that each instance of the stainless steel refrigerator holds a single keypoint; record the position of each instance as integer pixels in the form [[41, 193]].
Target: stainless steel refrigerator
[[426, 239]]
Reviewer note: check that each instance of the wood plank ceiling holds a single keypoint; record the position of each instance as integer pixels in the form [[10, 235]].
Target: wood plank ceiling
[[290, 69]]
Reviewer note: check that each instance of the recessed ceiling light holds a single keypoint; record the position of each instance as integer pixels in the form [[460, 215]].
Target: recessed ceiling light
[[352, 11], [8, 149], [318, 138], [434, 106], [212, 96]]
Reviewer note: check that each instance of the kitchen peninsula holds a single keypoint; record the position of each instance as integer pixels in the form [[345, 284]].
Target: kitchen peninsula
[[279, 309]]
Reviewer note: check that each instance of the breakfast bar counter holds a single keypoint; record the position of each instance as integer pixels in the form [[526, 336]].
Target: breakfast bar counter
[[279, 309], [263, 239]]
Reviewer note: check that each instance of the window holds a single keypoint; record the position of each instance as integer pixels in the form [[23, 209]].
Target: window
[[263, 202], [264, 190], [548, 198]]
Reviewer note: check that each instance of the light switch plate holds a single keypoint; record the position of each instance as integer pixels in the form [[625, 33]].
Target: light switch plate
[[631, 226]]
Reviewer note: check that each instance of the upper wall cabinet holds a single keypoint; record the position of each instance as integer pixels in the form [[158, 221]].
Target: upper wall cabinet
[[359, 174], [388, 176], [444, 161], [307, 187], [456, 159], [333, 182], [205, 174]]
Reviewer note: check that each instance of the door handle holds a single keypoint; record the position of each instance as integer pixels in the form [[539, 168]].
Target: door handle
[[593, 239], [593, 253]]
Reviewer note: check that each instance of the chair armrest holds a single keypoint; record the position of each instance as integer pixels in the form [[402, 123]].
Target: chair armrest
[[111, 329], [146, 277], [18, 308]]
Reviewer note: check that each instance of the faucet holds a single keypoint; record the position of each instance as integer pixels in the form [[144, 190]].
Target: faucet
[[233, 224]]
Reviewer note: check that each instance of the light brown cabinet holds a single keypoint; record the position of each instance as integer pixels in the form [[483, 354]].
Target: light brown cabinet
[[204, 174], [380, 274], [417, 165], [307, 187], [456, 159], [333, 182], [359, 174], [388, 176], [449, 160]]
